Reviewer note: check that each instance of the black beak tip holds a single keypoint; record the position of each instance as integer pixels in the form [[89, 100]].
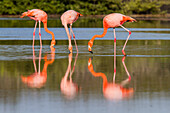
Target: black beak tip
[[91, 52]]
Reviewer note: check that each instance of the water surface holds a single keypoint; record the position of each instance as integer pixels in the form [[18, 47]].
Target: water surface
[[147, 61]]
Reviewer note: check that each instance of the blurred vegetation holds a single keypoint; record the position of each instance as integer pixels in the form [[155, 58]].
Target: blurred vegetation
[[86, 7]]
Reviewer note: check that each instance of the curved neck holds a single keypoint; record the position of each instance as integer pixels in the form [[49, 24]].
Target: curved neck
[[100, 36], [98, 75], [45, 27], [47, 62]]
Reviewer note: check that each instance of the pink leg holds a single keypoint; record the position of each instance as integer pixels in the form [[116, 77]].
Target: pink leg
[[39, 60], [33, 48], [34, 60], [114, 55], [40, 46], [126, 40], [40, 33], [74, 64], [74, 37], [123, 59], [69, 38], [34, 34]]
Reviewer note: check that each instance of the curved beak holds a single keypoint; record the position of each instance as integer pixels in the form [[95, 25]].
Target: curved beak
[[80, 15], [133, 20]]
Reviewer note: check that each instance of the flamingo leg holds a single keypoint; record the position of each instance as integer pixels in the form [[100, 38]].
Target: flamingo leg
[[114, 55], [74, 37], [39, 59], [74, 65], [123, 62], [34, 34], [40, 33], [69, 38], [126, 40], [71, 53], [35, 68], [40, 46]]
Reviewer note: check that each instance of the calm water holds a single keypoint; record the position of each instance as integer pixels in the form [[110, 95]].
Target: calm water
[[89, 76]]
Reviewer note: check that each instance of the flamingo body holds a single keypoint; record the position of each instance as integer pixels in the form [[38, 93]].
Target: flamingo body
[[41, 16], [68, 87], [111, 21], [38, 14], [115, 91], [36, 80], [69, 17], [112, 90]]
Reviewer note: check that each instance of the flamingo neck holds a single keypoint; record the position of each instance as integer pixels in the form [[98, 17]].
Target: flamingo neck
[[100, 36], [48, 31], [47, 62], [99, 75]]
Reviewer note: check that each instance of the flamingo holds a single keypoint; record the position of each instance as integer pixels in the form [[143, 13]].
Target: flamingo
[[38, 79], [113, 91], [68, 88], [69, 17], [39, 15], [111, 21]]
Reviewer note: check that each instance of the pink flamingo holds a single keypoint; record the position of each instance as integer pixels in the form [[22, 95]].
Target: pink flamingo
[[38, 79], [69, 17], [39, 15], [111, 21], [68, 88]]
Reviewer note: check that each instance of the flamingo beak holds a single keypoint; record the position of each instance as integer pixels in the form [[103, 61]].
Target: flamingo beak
[[133, 20], [80, 15]]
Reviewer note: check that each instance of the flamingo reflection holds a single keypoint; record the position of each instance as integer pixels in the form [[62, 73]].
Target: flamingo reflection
[[113, 91], [38, 79], [68, 87]]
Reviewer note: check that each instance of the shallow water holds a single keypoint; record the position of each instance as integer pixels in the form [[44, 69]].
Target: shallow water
[[147, 61]]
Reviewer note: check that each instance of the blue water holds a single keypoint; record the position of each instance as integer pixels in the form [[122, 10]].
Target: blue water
[[148, 62], [86, 34]]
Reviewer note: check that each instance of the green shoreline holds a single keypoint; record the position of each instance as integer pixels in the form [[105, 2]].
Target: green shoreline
[[165, 17]]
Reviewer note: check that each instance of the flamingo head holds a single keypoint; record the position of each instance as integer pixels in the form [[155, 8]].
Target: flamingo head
[[127, 19], [79, 14], [130, 19], [24, 14]]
